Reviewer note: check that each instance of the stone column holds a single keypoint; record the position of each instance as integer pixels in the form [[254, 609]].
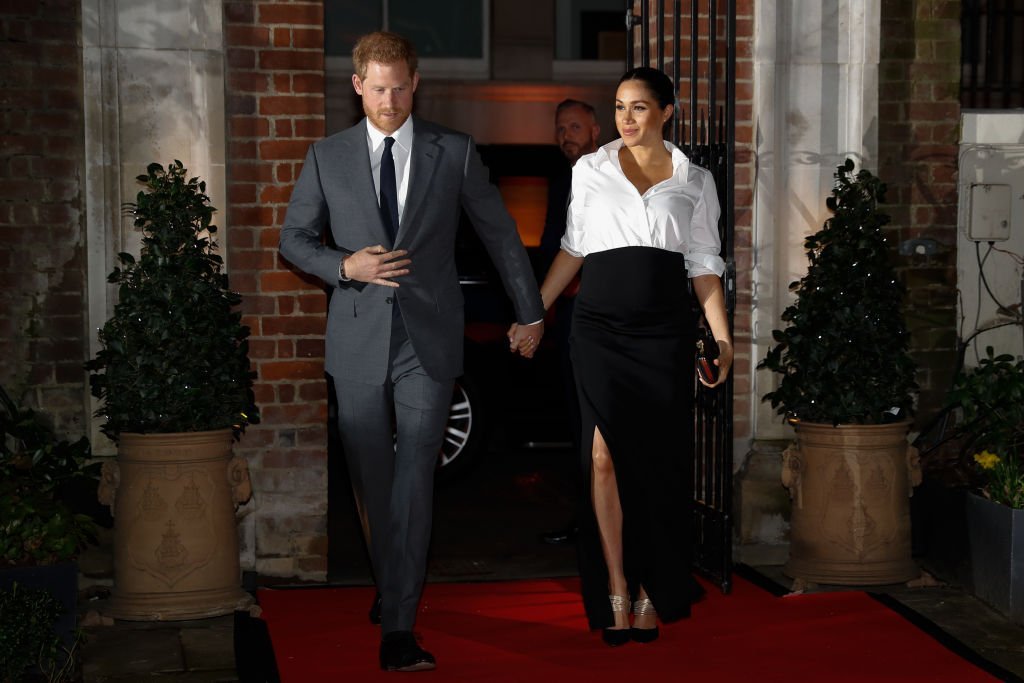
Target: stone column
[[815, 104], [153, 81]]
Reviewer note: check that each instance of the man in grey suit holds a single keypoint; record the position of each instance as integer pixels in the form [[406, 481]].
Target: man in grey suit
[[390, 190]]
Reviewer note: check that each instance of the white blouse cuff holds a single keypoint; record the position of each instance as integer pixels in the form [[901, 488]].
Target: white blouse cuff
[[704, 264], [571, 252]]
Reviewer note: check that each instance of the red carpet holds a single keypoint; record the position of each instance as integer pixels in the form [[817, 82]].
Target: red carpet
[[535, 631]]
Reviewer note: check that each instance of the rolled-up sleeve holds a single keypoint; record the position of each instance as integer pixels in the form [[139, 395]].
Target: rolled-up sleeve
[[703, 253], [572, 240]]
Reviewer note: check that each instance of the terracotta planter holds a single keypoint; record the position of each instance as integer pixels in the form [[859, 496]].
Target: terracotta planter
[[173, 497], [996, 535], [851, 487]]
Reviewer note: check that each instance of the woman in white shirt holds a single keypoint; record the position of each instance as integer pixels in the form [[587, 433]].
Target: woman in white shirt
[[641, 220]]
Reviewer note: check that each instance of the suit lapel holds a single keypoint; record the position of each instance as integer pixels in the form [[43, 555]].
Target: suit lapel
[[426, 155], [354, 157]]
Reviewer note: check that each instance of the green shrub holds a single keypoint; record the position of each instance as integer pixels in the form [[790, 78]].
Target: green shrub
[[991, 400], [174, 354], [27, 636], [844, 355], [37, 470]]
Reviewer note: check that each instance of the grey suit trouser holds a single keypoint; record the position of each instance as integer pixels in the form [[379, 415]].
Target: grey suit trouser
[[392, 434]]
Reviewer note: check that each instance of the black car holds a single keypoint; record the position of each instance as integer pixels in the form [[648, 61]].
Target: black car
[[504, 399]]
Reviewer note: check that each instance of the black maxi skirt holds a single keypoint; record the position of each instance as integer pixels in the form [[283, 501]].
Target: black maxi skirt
[[632, 349]]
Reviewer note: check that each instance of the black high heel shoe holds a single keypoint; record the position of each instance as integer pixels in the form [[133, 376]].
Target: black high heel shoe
[[614, 637], [643, 635]]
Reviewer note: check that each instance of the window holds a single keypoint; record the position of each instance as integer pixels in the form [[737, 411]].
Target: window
[[451, 38], [590, 39], [991, 59]]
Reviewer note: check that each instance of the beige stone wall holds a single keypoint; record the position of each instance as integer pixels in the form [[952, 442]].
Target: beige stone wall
[[153, 83]]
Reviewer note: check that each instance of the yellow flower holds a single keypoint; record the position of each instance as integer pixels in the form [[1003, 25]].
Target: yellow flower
[[987, 460]]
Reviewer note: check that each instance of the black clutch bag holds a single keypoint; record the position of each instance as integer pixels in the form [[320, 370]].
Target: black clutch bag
[[707, 352]]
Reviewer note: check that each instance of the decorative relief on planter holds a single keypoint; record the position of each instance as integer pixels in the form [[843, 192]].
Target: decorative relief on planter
[[171, 554], [175, 538], [859, 491], [190, 504], [238, 476], [167, 541], [791, 467], [850, 486], [153, 504], [110, 479]]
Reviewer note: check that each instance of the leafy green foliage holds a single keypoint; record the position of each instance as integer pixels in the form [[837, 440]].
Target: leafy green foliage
[[843, 355], [27, 636], [36, 471], [175, 353], [36, 529], [991, 399]]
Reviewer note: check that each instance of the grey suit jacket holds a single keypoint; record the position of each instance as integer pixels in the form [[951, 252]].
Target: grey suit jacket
[[335, 191]]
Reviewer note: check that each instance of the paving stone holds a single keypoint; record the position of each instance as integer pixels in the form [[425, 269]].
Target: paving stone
[[120, 650], [211, 646], [177, 677]]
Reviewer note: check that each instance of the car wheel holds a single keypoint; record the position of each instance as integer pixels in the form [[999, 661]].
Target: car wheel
[[464, 432]]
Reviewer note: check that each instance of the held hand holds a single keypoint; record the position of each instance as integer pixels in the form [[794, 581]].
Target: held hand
[[724, 363], [525, 338], [511, 334], [377, 265]]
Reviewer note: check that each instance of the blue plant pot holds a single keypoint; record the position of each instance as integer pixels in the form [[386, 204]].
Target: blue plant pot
[[996, 535]]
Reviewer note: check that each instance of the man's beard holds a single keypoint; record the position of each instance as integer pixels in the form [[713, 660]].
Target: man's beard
[[572, 151]]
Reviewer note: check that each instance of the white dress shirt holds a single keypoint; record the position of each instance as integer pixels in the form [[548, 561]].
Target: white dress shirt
[[678, 214], [401, 151]]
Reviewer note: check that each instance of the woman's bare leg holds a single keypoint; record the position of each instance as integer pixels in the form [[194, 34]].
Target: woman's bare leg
[[608, 511]]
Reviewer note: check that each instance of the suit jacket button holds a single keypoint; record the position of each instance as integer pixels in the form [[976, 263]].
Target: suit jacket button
[[387, 300]]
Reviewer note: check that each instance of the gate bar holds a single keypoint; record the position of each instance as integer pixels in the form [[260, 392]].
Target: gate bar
[[678, 116], [694, 33], [661, 34]]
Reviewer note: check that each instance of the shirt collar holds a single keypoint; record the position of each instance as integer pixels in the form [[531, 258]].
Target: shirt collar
[[609, 153], [402, 136]]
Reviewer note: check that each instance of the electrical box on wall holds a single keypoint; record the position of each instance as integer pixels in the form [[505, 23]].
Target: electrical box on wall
[[988, 219]]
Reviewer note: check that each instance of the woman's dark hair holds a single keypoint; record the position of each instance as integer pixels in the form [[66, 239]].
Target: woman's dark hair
[[655, 81]]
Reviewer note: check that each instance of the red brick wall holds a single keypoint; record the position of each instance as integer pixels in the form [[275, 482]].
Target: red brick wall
[[275, 109], [744, 169], [919, 113], [42, 254], [744, 207]]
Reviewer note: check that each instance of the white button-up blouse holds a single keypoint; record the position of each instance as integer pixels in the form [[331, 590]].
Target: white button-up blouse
[[678, 214]]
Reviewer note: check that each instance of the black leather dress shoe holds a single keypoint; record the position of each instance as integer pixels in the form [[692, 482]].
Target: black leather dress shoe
[[375, 610], [399, 651]]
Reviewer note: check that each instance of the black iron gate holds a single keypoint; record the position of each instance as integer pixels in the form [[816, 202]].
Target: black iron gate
[[702, 39]]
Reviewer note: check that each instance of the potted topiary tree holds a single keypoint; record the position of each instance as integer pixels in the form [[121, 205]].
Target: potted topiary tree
[[42, 533], [847, 387], [175, 378]]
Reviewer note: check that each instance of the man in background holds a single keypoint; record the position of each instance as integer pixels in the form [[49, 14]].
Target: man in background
[[576, 132]]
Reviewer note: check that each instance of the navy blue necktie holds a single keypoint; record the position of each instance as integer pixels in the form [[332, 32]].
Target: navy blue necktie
[[389, 190]]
